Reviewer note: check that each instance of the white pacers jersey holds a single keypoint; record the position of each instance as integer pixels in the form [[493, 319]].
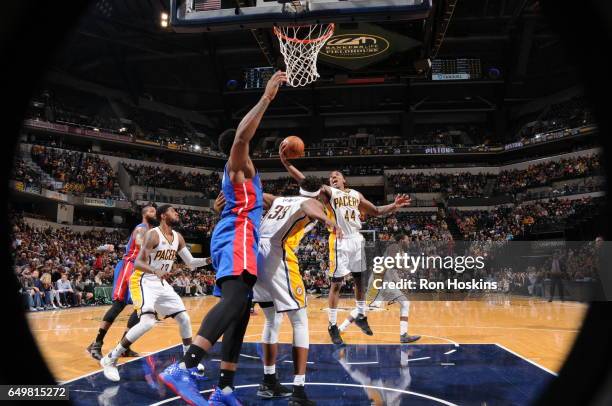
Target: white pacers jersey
[[282, 218], [278, 270], [149, 293], [162, 257], [344, 206]]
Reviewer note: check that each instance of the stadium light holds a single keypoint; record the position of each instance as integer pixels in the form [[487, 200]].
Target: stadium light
[[164, 19]]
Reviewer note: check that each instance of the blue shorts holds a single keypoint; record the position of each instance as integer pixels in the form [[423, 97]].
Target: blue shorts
[[233, 247]]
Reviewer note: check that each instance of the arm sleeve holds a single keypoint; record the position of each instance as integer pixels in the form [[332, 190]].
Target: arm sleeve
[[190, 261]]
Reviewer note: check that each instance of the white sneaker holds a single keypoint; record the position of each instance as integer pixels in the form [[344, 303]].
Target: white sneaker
[[110, 369]]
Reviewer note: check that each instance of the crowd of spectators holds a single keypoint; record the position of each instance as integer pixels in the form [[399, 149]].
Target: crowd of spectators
[[192, 283], [544, 174], [420, 226], [24, 173], [155, 176], [466, 185], [61, 268], [57, 267], [507, 223], [79, 173], [463, 184], [588, 185], [578, 262], [196, 222]]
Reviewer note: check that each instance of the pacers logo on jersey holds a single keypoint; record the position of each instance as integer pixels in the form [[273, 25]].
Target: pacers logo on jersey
[[346, 201], [168, 255]]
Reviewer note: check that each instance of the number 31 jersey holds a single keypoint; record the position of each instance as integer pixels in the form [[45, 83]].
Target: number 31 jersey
[[344, 208], [282, 219]]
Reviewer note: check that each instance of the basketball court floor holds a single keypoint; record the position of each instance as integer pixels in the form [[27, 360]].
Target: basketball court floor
[[494, 351]]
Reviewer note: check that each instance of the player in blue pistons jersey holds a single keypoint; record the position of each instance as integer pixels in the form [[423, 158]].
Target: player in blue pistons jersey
[[234, 254]]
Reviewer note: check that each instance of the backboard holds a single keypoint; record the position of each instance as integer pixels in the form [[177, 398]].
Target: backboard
[[216, 15]]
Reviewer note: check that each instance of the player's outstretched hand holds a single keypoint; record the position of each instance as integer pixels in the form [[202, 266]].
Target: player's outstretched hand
[[219, 203], [402, 200], [273, 84], [282, 151]]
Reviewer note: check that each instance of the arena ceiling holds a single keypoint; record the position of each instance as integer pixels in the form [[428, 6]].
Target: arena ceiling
[[121, 45]]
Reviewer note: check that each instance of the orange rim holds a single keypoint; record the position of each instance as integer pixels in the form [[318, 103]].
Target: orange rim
[[325, 37]]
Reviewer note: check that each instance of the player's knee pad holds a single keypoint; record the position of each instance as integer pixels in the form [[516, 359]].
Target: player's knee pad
[[146, 323], [112, 313], [184, 322], [299, 321], [404, 308], [271, 326]]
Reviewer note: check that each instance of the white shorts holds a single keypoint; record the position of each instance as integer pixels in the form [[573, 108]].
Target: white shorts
[[346, 255], [152, 295], [278, 277]]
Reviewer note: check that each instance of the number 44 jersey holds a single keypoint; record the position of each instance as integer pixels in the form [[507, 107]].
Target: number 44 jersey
[[344, 208]]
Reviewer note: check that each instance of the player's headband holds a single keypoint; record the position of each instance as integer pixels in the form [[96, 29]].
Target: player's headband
[[309, 194]]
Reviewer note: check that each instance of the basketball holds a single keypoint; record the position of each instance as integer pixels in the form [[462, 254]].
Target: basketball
[[295, 147]]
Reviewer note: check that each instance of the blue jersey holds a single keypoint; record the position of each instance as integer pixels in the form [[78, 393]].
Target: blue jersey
[[235, 238]]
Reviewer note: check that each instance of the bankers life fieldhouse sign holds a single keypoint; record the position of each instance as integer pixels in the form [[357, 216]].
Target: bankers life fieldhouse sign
[[363, 46]]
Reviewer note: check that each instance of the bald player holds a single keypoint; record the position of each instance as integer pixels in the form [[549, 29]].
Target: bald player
[[233, 250]]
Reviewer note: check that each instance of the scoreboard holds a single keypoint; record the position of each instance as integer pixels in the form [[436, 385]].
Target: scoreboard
[[256, 78], [455, 69]]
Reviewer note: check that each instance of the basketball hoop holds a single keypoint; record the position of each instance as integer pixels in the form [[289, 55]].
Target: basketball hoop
[[300, 46]]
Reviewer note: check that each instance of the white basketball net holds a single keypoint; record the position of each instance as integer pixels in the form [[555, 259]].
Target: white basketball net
[[300, 46]]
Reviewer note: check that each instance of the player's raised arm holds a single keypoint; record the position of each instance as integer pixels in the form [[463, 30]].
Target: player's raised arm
[[371, 209], [239, 154], [315, 210], [138, 236], [326, 194], [291, 169], [187, 258], [151, 239]]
